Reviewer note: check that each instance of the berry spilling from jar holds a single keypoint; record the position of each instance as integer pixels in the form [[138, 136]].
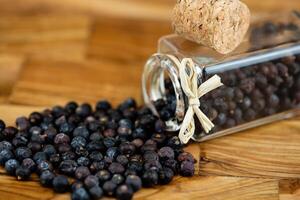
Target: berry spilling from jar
[[94, 153]]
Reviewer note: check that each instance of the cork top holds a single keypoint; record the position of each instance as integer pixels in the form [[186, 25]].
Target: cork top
[[218, 24]]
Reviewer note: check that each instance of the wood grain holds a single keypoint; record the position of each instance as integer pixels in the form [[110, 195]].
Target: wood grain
[[127, 40], [45, 82], [44, 35], [10, 66], [271, 151]]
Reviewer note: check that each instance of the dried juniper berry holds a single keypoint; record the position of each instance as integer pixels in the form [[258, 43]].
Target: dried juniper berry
[[83, 161], [112, 152], [61, 138], [78, 142], [124, 192], [150, 156], [96, 192], [70, 107], [165, 176], [109, 142], [46, 178], [96, 136], [139, 133], [103, 175], [109, 188], [6, 145], [39, 157], [103, 105], [60, 184], [29, 163], [9, 132], [91, 181], [5, 155], [166, 153], [127, 148], [81, 131], [187, 168], [82, 172], [19, 141], [128, 103], [97, 165], [150, 178], [35, 118], [138, 143], [49, 150], [22, 153], [34, 146], [22, 123], [160, 126], [68, 167], [122, 159], [11, 165], [134, 182], [116, 168], [170, 163], [84, 110], [117, 179], [80, 194], [55, 159], [43, 166], [95, 146], [152, 165], [23, 173], [95, 156]]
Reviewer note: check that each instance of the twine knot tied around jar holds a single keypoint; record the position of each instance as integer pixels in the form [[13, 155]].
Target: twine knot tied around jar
[[189, 83]]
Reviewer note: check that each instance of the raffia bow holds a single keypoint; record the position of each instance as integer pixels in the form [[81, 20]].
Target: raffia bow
[[188, 78]]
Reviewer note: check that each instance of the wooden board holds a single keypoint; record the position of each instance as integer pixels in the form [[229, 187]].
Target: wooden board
[[53, 51], [44, 35]]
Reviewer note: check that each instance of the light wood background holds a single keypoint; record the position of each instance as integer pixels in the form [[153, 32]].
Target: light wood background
[[53, 51]]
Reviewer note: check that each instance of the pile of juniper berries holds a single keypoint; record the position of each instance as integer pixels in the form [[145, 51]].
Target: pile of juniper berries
[[93, 153]]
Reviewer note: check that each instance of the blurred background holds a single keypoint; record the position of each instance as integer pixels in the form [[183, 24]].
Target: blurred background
[[52, 51]]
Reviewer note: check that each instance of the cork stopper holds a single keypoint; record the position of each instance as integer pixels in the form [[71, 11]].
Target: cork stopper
[[218, 24]]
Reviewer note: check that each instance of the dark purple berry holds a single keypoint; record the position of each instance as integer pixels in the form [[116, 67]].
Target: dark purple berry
[[116, 168], [68, 167], [80, 194], [43, 166], [134, 182], [29, 163], [11, 165], [165, 176], [124, 192], [95, 192], [46, 178], [91, 181], [61, 138], [150, 178], [166, 153], [6, 145], [22, 123], [82, 172], [23, 173], [109, 188], [103, 176], [187, 168], [117, 179], [60, 184]]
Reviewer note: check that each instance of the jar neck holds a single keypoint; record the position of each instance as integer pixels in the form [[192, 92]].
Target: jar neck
[[153, 86]]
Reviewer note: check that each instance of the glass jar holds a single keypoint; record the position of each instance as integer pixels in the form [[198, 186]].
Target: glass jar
[[261, 78]]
